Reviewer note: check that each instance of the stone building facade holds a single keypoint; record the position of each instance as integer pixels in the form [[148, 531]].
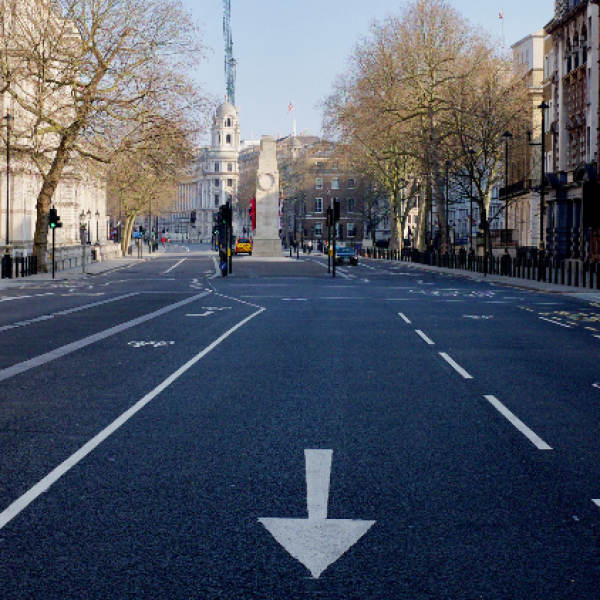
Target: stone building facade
[[213, 180], [573, 204]]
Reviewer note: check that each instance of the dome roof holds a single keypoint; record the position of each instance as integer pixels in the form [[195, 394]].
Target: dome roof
[[226, 110]]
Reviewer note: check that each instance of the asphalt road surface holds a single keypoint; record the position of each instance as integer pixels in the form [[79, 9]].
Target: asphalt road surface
[[392, 433]]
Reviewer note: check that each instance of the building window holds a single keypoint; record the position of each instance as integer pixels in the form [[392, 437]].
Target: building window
[[350, 184], [335, 183], [230, 167], [350, 205], [230, 183], [217, 199], [216, 183], [319, 205], [318, 229], [228, 139], [228, 123], [350, 230], [217, 167], [319, 183]]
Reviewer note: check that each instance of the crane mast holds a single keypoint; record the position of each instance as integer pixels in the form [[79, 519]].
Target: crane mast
[[230, 62]]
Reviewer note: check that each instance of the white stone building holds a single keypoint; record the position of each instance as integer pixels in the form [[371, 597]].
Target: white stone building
[[213, 179]]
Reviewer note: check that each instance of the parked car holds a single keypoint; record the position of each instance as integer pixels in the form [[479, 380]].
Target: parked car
[[346, 256], [243, 246]]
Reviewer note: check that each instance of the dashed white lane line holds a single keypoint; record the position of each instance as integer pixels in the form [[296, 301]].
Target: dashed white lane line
[[555, 322], [405, 319], [539, 443], [424, 337], [174, 266], [455, 366], [596, 502], [42, 486]]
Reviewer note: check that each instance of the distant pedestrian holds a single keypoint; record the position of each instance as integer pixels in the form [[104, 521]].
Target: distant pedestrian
[[310, 247]]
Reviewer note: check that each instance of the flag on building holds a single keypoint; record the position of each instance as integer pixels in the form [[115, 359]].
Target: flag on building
[[502, 15], [291, 107]]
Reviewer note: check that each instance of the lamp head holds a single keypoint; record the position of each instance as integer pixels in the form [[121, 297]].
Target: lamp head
[[507, 135]]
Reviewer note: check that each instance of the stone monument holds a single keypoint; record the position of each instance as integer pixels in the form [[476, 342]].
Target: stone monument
[[266, 242]]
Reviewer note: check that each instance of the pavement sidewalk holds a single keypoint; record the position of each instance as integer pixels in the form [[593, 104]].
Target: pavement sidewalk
[[528, 284], [92, 269]]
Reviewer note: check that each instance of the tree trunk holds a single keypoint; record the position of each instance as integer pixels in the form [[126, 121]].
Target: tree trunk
[[126, 235], [44, 200], [394, 243]]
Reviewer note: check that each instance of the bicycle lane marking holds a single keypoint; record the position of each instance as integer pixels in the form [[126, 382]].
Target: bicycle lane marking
[[44, 484]]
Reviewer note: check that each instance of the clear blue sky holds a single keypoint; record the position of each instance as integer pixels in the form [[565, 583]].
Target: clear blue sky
[[292, 51]]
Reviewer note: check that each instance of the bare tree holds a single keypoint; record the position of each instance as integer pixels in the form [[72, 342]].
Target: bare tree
[[89, 75]]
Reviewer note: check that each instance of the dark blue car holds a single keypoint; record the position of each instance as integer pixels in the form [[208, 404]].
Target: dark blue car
[[346, 256]]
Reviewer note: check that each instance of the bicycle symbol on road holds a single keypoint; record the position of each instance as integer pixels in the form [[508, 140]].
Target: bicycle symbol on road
[[153, 344]]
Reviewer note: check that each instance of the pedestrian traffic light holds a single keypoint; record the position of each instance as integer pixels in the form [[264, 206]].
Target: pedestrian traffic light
[[336, 210], [54, 219]]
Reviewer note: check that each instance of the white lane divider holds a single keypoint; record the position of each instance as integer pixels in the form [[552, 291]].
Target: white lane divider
[[174, 266], [539, 443], [405, 319], [424, 337], [596, 502], [555, 322], [42, 359], [455, 365], [42, 486]]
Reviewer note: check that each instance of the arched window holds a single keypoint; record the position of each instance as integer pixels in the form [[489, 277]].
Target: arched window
[[228, 139], [228, 123]]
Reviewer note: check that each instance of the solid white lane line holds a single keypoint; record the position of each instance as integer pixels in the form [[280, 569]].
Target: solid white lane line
[[539, 443], [455, 366], [555, 322], [42, 486], [174, 266], [64, 350], [405, 319], [596, 502], [424, 337]]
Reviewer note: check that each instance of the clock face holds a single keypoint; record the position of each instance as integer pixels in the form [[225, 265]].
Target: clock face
[[265, 181]]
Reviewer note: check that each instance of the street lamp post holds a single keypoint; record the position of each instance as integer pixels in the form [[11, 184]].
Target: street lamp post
[[472, 153], [542, 248], [506, 135], [8, 118], [89, 235], [448, 163], [97, 215], [82, 236]]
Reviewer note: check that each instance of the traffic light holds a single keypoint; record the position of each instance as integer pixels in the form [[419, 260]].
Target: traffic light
[[54, 219], [336, 210]]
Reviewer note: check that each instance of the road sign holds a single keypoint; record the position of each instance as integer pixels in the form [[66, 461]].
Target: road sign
[[317, 542], [136, 235]]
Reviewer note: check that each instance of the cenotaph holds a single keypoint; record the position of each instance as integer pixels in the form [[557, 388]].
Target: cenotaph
[[266, 242]]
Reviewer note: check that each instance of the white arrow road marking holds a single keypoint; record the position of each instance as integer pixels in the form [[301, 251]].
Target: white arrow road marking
[[596, 385], [317, 542]]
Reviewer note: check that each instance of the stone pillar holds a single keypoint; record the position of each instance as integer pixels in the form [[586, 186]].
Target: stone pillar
[[266, 242]]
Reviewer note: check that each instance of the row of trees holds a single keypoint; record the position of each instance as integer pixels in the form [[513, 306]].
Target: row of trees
[[103, 83], [425, 89]]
